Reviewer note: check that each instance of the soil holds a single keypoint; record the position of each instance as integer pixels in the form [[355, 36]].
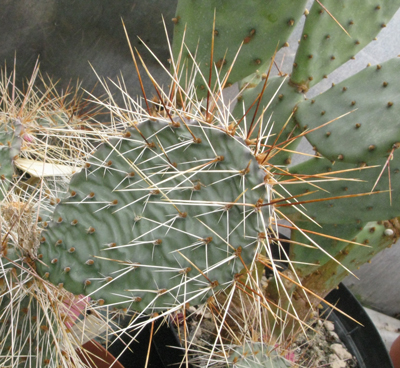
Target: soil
[[319, 347], [322, 348]]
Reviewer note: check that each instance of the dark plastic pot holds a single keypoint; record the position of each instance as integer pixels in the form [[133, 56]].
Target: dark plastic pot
[[363, 342], [165, 349]]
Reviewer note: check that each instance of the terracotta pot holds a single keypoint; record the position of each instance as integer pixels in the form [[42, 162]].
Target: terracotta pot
[[96, 356], [395, 352]]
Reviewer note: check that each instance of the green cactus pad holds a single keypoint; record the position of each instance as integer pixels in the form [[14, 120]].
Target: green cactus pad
[[370, 130], [262, 26], [281, 100], [307, 256], [156, 223], [376, 236], [325, 46], [10, 144], [256, 354], [372, 238], [348, 210]]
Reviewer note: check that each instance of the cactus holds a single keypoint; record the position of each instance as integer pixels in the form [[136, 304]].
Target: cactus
[[257, 27], [372, 197], [325, 45], [335, 141], [352, 127], [27, 335], [364, 241], [253, 354], [10, 145], [280, 99], [34, 318], [181, 205], [44, 140], [165, 213]]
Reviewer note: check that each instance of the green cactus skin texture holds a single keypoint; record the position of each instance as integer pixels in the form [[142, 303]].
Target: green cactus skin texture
[[158, 222], [325, 46], [376, 236], [361, 241], [280, 99], [306, 252], [255, 354], [369, 132], [261, 26], [10, 144], [373, 206]]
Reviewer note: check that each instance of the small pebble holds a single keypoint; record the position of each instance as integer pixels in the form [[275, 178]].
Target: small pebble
[[334, 335], [340, 351], [329, 325], [335, 362]]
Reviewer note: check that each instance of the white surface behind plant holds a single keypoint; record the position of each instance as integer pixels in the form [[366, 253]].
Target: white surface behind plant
[[388, 327]]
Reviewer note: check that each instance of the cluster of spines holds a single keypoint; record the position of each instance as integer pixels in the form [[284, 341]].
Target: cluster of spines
[[10, 145], [256, 354]]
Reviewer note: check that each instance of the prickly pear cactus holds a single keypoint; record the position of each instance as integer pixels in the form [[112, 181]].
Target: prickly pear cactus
[[271, 116], [350, 188], [367, 132], [10, 145], [24, 333], [158, 217], [257, 27], [350, 244], [255, 354], [334, 32], [333, 188], [26, 336]]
